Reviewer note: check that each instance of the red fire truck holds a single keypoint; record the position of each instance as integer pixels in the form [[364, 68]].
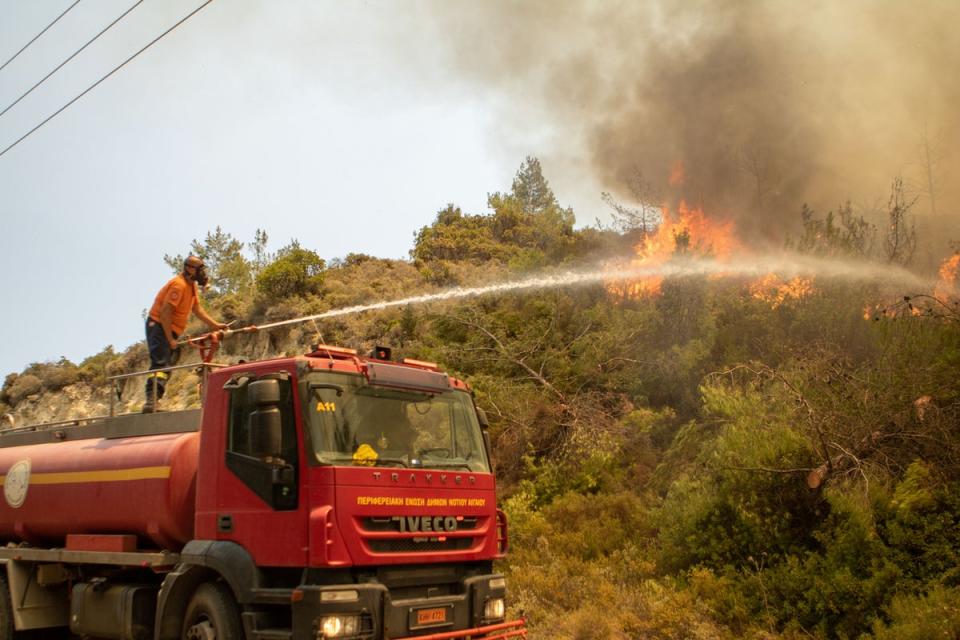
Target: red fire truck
[[324, 496]]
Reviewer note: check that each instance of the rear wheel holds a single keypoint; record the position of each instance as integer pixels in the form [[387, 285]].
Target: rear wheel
[[212, 615]]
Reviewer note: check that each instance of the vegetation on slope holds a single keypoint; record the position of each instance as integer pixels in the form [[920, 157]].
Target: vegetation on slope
[[702, 463]]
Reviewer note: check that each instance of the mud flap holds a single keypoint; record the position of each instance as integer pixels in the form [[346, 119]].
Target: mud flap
[[36, 606]]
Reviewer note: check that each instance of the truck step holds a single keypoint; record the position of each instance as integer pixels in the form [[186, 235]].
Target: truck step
[[252, 622]]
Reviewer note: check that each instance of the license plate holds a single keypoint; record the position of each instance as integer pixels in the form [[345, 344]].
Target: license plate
[[426, 617]]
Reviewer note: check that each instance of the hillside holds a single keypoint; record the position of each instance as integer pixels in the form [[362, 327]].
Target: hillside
[[689, 456]]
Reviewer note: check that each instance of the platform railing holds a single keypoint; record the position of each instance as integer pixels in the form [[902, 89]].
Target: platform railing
[[43, 426], [204, 368]]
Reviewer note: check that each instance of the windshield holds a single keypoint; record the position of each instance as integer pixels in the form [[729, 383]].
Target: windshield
[[354, 423]]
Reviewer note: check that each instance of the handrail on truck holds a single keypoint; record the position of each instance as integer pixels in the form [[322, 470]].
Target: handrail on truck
[[204, 368]]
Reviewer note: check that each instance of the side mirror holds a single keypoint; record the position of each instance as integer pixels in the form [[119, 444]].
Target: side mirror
[[265, 420], [487, 446], [485, 432], [482, 417], [264, 392]]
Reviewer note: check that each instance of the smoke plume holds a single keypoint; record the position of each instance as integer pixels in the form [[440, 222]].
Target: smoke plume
[[766, 105]]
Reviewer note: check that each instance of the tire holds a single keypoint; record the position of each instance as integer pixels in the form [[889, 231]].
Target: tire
[[212, 615]]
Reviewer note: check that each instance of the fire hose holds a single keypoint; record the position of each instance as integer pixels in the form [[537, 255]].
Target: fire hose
[[208, 343]]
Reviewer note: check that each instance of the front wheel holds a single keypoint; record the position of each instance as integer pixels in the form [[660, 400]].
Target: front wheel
[[212, 615]]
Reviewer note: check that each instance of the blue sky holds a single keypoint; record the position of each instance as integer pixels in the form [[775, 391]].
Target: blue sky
[[339, 124]]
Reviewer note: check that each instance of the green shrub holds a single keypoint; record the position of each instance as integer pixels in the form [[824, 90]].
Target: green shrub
[[838, 589], [8, 381], [23, 386], [930, 616], [58, 377], [230, 307], [595, 472], [590, 622], [295, 272], [724, 596], [134, 358], [733, 502], [920, 523], [94, 368], [54, 376]]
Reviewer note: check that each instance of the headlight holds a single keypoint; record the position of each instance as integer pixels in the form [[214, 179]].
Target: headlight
[[494, 609], [498, 583], [339, 626]]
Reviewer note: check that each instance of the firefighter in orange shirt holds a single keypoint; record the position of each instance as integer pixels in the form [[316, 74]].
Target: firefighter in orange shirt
[[168, 318]]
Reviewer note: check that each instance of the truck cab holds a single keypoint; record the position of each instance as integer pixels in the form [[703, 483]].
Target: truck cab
[[369, 477]]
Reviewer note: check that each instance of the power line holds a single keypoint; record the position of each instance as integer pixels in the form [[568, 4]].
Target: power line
[[72, 56], [40, 34], [115, 69]]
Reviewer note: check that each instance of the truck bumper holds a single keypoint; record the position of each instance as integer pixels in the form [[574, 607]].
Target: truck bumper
[[370, 611], [514, 629]]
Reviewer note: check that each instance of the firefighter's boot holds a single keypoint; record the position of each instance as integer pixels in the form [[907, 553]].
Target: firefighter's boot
[[150, 397]]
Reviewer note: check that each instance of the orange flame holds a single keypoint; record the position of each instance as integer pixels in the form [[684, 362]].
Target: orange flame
[[949, 270], [775, 291], [879, 311], [688, 232]]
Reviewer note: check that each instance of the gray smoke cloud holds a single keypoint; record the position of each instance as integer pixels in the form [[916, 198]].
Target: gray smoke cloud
[[766, 104]]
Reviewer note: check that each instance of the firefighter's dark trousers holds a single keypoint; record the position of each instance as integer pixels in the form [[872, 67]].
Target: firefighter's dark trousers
[[159, 359]]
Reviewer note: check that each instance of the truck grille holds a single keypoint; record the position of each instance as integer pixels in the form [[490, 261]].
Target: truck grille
[[412, 541], [418, 545], [389, 524]]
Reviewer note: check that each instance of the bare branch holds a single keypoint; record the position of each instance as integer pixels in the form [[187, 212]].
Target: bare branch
[[770, 470], [510, 357]]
